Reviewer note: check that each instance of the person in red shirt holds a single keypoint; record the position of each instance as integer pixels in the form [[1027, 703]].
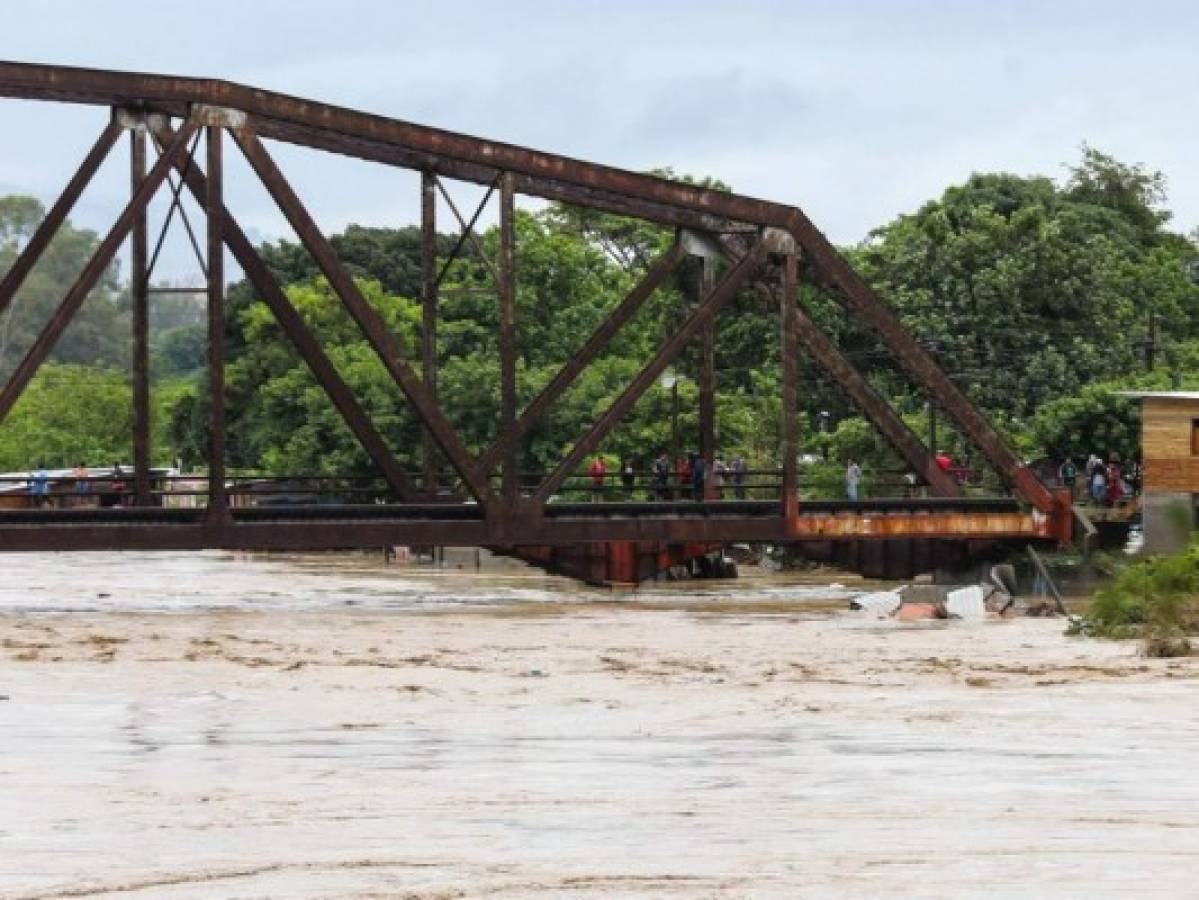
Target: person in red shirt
[[682, 471], [597, 470], [944, 461], [1115, 481]]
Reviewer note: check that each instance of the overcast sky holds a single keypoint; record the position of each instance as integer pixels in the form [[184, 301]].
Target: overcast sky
[[856, 111]]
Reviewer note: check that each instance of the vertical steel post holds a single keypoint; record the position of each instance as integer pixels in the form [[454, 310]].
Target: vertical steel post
[[510, 486], [707, 384], [789, 349], [676, 440], [428, 272], [218, 501], [140, 291], [707, 372]]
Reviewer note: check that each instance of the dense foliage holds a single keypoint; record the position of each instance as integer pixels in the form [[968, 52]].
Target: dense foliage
[[1156, 599]]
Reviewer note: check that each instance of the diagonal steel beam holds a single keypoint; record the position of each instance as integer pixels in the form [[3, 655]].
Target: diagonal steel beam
[[100, 260], [700, 316], [56, 215], [373, 327], [595, 345], [293, 326]]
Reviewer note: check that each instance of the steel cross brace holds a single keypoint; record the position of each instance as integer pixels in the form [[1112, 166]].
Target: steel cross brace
[[468, 230]]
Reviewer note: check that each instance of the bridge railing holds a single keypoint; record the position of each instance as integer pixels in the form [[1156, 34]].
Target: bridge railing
[[62, 489]]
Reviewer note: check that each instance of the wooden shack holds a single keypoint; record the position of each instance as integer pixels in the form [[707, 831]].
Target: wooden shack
[[1170, 456]]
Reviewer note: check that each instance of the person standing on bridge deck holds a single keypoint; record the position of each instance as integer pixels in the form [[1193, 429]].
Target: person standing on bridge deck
[[662, 476], [117, 486], [853, 478], [944, 461], [39, 486], [1067, 474], [597, 470], [627, 477], [1098, 485], [737, 467], [699, 476], [82, 485], [718, 470], [1115, 481], [682, 473]]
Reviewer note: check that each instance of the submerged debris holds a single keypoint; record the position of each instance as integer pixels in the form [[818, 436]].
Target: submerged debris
[[970, 602], [880, 603]]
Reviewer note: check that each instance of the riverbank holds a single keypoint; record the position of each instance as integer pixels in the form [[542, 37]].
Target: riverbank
[[588, 749]]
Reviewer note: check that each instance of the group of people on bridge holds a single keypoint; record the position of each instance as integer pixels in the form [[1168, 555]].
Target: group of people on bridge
[[1102, 483], [689, 476], [81, 486]]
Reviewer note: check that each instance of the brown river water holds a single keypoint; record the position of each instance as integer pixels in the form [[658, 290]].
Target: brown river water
[[207, 725]]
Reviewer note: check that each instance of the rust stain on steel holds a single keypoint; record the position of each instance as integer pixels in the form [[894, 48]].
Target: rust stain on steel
[[961, 526]]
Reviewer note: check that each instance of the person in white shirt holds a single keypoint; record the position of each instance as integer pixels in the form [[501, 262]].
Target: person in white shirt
[[853, 477]]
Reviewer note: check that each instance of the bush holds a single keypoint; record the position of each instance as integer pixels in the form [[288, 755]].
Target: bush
[[1156, 599]]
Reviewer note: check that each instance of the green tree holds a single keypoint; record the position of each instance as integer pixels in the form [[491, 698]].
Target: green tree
[[67, 414], [99, 333]]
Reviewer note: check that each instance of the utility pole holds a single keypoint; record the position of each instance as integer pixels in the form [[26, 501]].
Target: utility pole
[[1151, 343]]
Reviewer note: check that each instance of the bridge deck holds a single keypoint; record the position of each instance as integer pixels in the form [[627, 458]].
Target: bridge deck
[[312, 526]]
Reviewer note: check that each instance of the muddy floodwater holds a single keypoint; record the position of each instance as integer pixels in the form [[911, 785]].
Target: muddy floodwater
[[208, 725]]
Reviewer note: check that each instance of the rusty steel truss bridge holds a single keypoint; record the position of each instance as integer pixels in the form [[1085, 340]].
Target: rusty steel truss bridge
[[746, 245]]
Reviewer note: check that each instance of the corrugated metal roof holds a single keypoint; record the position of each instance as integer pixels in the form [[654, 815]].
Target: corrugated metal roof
[[1160, 395]]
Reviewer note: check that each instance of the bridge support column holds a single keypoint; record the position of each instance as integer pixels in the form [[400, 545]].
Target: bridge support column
[[140, 296], [218, 501], [511, 477], [789, 351], [428, 265]]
